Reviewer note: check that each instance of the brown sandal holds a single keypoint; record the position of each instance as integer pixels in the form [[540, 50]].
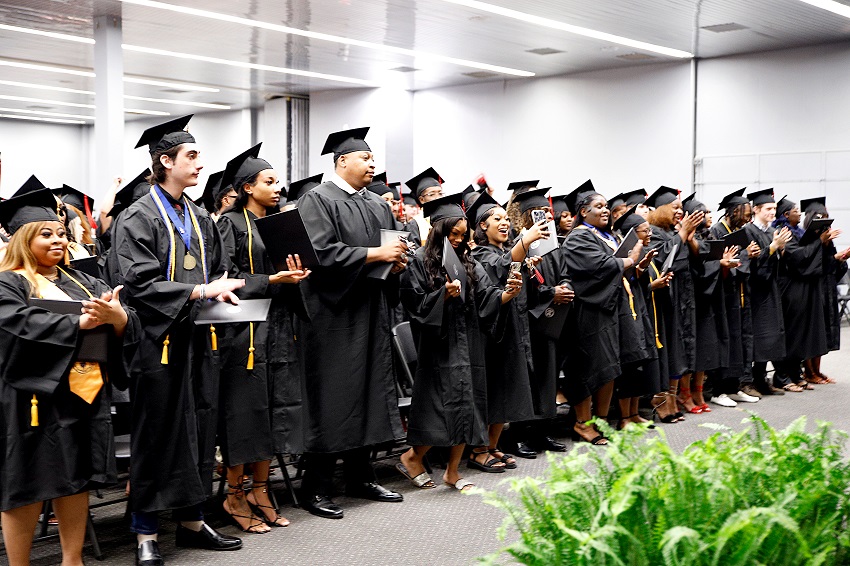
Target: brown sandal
[[263, 485], [254, 521]]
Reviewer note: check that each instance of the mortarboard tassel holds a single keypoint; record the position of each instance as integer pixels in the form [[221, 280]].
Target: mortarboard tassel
[[631, 297], [213, 338], [658, 343], [251, 349], [742, 294], [165, 344], [34, 411]]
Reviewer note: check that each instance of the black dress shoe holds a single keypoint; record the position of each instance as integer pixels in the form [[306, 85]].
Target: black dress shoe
[[148, 554], [322, 506], [545, 443], [207, 538], [524, 451], [375, 492]]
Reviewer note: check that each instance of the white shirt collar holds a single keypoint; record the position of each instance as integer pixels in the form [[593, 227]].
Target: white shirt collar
[[759, 225], [342, 184]]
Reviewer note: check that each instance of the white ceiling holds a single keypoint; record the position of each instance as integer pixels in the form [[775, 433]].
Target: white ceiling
[[437, 27]]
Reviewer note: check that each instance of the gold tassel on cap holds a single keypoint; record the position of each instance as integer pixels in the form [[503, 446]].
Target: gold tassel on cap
[[742, 295], [165, 344], [34, 411], [251, 348], [213, 338], [631, 297]]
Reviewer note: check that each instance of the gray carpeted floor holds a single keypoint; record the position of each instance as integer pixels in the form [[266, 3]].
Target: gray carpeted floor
[[438, 526]]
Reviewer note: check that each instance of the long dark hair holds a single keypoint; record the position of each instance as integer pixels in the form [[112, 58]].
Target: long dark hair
[[434, 255], [479, 236], [241, 200], [736, 216]]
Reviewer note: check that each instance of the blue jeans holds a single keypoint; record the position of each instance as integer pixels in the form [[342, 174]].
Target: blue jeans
[[147, 522]]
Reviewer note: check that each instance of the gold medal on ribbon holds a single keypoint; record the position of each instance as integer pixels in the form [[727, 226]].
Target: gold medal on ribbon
[[189, 262]]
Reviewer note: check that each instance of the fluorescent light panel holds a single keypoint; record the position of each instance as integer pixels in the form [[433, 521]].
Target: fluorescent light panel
[[54, 35], [146, 112], [562, 26], [44, 101], [179, 86], [46, 113], [831, 6], [179, 102], [47, 68], [328, 37], [36, 119], [46, 87]]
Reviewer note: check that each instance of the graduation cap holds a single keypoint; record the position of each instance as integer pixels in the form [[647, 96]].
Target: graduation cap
[[75, 198], [577, 195], [483, 204], [784, 205], [409, 199], [764, 196], [663, 195], [212, 191], [30, 185], [423, 181], [32, 206], [444, 207], [300, 188], [394, 187], [131, 192], [810, 205], [733, 199], [379, 184], [690, 204], [630, 219], [165, 136], [346, 141], [244, 166], [533, 198], [629, 198], [520, 186]]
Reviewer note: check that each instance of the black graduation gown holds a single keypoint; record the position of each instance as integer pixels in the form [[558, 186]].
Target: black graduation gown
[[801, 284], [72, 449], [676, 303], [508, 361], [766, 300], [711, 330], [174, 405], [736, 303], [260, 410], [637, 341], [593, 354], [348, 388], [834, 270], [449, 403]]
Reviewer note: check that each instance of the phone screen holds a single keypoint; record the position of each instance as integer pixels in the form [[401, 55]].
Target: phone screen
[[538, 216]]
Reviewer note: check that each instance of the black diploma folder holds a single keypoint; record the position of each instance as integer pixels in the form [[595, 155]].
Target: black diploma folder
[[248, 310], [87, 265], [671, 257], [454, 268], [628, 243], [94, 343], [815, 229], [738, 238], [284, 234], [381, 270], [543, 246]]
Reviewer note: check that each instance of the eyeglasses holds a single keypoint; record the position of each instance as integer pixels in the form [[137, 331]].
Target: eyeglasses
[[432, 194]]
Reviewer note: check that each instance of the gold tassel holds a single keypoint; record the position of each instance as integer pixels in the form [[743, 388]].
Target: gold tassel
[[251, 349], [631, 297], [658, 343], [34, 411], [165, 343], [742, 294], [213, 338]]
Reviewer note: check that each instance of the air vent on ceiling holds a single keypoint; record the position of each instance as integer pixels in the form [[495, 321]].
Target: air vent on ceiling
[[281, 84], [544, 51], [720, 28], [404, 69], [481, 75], [37, 107], [173, 90], [636, 57]]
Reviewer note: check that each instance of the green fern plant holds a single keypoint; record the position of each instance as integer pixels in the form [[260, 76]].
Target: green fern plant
[[756, 497]]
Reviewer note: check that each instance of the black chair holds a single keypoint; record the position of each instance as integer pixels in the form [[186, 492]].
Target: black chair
[[405, 349], [844, 298]]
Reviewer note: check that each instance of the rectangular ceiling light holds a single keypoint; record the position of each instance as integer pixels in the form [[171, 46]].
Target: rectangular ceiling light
[[37, 119], [179, 102], [328, 37], [46, 113], [47, 68], [831, 6], [63, 36], [46, 87], [43, 101], [180, 86], [578, 30], [146, 112]]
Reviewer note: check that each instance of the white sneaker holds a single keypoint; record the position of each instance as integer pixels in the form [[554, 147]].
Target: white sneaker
[[742, 397], [723, 400]]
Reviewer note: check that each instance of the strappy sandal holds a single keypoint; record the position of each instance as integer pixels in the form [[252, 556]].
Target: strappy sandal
[[460, 484], [263, 486], [598, 440], [705, 408], [422, 481], [805, 385], [630, 417], [667, 419], [254, 521], [507, 459], [685, 392], [491, 465], [793, 388]]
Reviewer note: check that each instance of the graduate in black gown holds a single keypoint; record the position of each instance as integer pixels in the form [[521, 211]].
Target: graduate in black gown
[[593, 357], [640, 373], [126, 196], [766, 299], [449, 322], [834, 269], [260, 410], [426, 186], [171, 258], [738, 374], [509, 361], [673, 229], [801, 273], [54, 402], [349, 394], [300, 188]]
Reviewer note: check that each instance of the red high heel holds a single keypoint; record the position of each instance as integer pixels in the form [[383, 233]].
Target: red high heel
[[705, 408], [685, 393]]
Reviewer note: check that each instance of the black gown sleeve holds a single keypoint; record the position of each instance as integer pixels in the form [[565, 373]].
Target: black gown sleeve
[[595, 273], [234, 246]]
